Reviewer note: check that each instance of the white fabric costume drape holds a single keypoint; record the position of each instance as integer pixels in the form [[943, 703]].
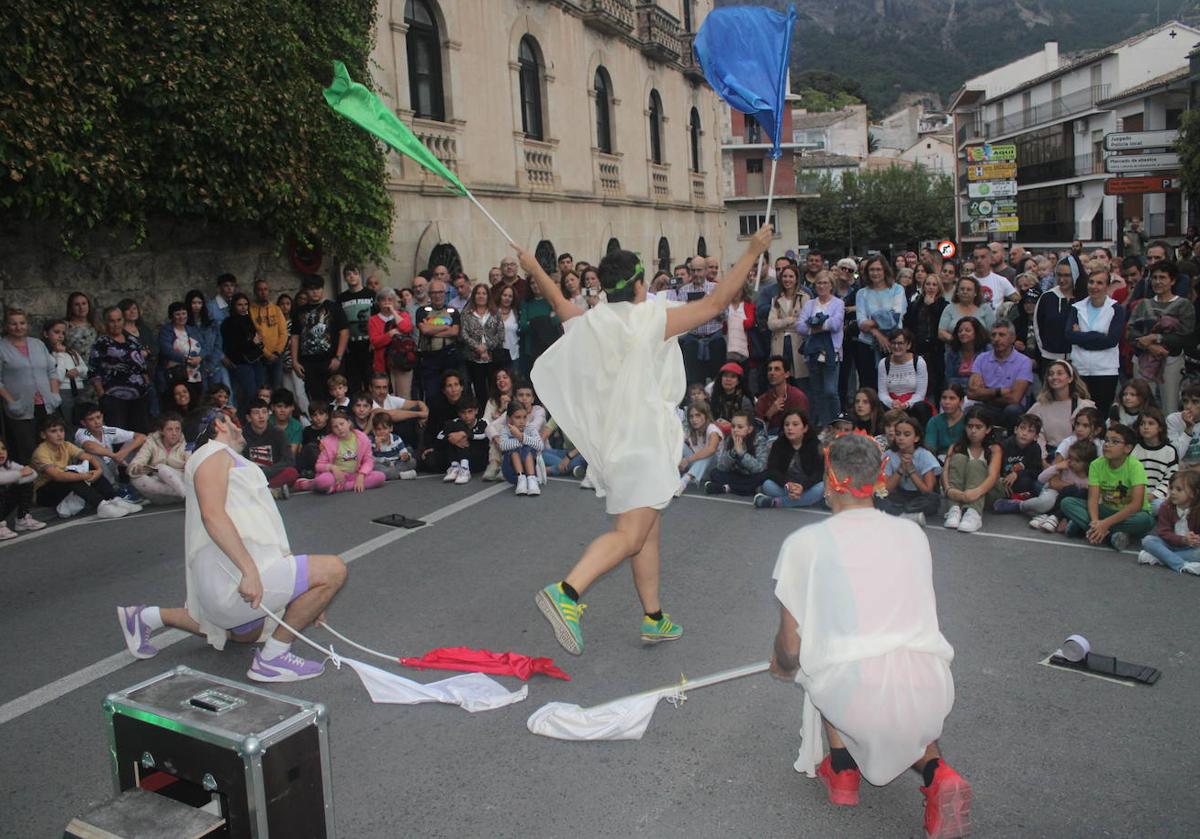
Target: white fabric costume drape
[[212, 580], [873, 661], [612, 383]]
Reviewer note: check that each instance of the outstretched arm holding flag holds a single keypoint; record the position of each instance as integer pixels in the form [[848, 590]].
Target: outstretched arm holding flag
[[362, 107]]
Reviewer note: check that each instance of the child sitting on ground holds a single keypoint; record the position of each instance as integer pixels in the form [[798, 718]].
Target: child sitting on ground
[[310, 440], [1117, 509], [903, 378], [866, 412], [345, 462], [1064, 478], [392, 456], [283, 407], [1175, 542], [16, 493], [910, 475], [1135, 398], [742, 461], [519, 446], [156, 471], [890, 418], [946, 429], [1022, 463], [1087, 425], [267, 448], [362, 408], [466, 442], [795, 467], [218, 397], [564, 458], [1158, 457], [114, 446], [972, 472], [64, 469], [338, 389], [701, 439], [1183, 426]]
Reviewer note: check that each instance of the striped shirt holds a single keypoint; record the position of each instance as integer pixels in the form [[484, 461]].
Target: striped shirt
[[1160, 464], [689, 292]]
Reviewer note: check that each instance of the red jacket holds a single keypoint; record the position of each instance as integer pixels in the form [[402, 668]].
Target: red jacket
[[380, 334], [1164, 528]]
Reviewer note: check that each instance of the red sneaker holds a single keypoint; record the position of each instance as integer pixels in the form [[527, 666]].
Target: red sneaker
[[1021, 496], [947, 804], [842, 786]]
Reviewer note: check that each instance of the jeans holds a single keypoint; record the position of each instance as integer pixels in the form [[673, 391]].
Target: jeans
[[1169, 555], [900, 501], [697, 469], [812, 496], [506, 463], [739, 483], [1076, 511], [23, 435], [432, 365], [866, 364], [1103, 390], [823, 382], [702, 369], [553, 457], [1009, 415], [247, 379], [273, 372]]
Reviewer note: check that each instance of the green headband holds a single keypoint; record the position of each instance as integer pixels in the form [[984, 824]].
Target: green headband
[[638, 271]]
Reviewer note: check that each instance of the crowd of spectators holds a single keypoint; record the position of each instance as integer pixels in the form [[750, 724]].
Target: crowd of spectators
[[1059, 386]]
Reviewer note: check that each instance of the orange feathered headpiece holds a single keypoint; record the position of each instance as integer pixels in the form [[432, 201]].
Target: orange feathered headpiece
[[841, 486]]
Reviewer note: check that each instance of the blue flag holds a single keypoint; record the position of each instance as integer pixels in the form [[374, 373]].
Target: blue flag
[[744, 52]]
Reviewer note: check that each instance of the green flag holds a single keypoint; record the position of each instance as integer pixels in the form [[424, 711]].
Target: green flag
[[363, 108]]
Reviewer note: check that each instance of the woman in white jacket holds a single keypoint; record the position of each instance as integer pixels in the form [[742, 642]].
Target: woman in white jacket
[[1094, 332]]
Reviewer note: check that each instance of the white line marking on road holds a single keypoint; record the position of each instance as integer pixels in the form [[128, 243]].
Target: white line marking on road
[[46, 694]]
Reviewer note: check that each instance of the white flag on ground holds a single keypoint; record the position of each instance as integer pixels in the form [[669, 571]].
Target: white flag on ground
[[470, 691]]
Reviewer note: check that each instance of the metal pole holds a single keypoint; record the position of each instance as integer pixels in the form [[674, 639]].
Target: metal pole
[[770, 198]]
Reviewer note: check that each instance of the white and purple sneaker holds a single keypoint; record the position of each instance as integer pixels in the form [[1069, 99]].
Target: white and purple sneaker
[[137, 634], [288, 667]]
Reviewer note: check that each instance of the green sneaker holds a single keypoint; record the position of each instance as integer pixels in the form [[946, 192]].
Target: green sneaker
[[563, 614], [660, 630]]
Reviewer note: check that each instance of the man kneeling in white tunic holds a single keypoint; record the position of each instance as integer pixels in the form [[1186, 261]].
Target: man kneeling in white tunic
[[238, 557], [858, 630]]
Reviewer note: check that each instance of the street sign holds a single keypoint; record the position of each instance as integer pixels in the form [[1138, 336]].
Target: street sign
[[1141, 162], [991, 189], [992, 207], [947, 249], [1140, 186], [1130, 140], [988, 153], [991, 171], [1000, 224]]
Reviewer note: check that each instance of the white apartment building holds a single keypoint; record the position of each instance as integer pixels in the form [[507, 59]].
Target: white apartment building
[[582, 125], [1057, 113]]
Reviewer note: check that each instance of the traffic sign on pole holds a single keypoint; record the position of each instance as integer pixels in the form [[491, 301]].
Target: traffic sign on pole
[[1131, 140], [1140, 186]]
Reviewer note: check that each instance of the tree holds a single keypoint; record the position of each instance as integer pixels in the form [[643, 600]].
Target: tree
[[113, 114], [878, 208], [1188, 147]]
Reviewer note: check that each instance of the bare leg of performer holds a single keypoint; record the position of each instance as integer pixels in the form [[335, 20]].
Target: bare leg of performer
[[635, 536]]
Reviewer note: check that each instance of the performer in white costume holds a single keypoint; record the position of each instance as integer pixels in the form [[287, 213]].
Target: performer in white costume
[[613, 383], [237, 556], [859, 632]]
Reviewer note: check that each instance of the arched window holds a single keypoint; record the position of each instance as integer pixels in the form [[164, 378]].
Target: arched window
[[701, 247], [694, 138], [603, 90], [446, 254], [424, 61], [656, 155], [546, 256], [664, 255], [613, 245], [530, 77]]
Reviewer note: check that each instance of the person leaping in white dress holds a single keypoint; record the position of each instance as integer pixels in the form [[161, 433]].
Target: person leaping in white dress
[[618, 367]]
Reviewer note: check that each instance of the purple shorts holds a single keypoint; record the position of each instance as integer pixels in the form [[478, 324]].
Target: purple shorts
[[300, 586]]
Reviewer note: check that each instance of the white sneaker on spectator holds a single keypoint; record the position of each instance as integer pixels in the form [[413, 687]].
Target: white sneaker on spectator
[[522, 485], [1191, 568], [464, 475], [111, 509], [1036, 522], [451, 474], [408, 475], [1147, 558], [953, 517], [532, 487], [971, 521], [5, 533], [128, 505], [1050, 524], [27, 522]]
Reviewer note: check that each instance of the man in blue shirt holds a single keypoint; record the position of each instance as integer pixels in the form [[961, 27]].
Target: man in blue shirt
[[1000, 377]]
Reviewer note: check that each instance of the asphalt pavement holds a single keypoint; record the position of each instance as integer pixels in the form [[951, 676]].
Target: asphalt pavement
[[1049, 753]]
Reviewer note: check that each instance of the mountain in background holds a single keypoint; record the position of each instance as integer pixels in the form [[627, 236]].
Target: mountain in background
[[900, 50]]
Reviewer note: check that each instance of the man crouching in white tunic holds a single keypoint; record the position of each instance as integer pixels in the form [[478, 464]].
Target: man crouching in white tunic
[[237, 557], [858, 630]]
